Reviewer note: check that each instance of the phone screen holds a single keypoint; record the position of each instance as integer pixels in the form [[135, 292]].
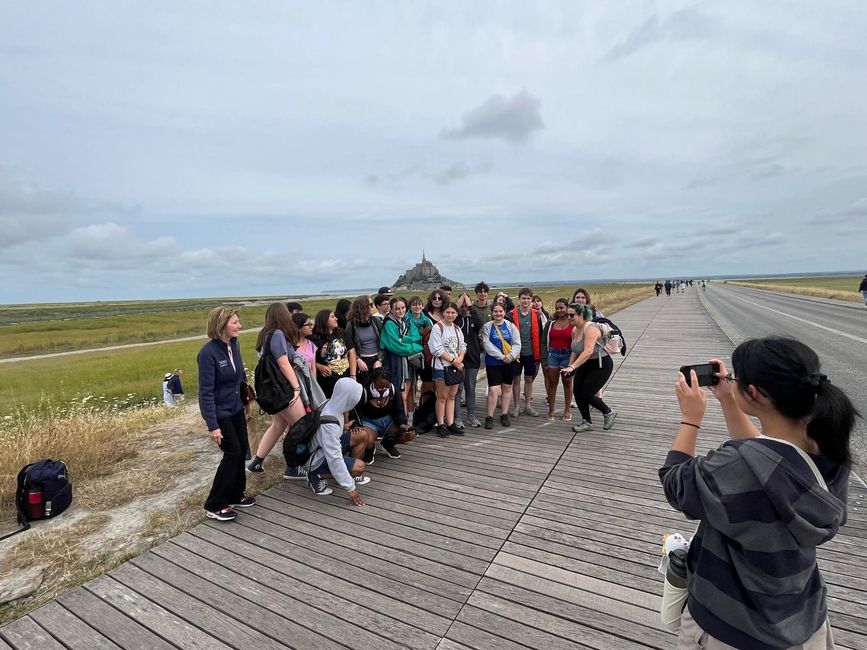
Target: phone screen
[[706, 373]]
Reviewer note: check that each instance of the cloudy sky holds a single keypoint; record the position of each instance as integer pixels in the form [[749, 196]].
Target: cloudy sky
[[169, 149]]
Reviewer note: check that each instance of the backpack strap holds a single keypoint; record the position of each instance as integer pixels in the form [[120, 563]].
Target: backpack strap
[[21, 517], [816, 473]]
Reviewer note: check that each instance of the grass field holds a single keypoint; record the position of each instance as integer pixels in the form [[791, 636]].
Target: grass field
[[837, 287], [134, 376]]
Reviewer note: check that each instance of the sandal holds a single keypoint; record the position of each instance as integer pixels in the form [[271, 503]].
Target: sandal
[[550, 417], [567, 417]]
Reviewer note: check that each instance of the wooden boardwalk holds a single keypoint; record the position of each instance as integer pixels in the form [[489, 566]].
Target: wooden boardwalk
[[513, 538]]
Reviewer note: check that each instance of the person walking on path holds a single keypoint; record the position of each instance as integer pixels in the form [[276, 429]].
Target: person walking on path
[[590, 366], [863, 289], [765, 499], [668, 288], [221, 372]]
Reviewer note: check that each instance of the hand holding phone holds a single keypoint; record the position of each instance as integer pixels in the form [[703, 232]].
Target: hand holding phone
[[705, 372]]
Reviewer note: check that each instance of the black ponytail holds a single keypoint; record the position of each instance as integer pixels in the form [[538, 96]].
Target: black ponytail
[[787, 372], [831, 422]]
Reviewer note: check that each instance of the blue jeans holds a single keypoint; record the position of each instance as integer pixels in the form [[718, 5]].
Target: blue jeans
[[380, 425]]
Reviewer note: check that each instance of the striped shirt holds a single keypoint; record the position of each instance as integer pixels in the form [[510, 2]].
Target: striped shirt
[[753, 578]]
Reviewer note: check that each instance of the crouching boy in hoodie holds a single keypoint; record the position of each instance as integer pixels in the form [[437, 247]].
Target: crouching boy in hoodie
[[332, 445]]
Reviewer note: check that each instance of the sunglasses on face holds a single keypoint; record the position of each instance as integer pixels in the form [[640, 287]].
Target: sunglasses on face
[[436, 298], [571, 314]]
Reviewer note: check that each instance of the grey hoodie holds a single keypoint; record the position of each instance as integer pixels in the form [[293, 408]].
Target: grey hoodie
[[326, 441]]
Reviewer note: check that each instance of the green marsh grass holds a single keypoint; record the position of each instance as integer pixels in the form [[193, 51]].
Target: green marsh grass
[[836, 287]]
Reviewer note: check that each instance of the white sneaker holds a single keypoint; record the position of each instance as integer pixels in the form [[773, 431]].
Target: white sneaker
[[362, 480]]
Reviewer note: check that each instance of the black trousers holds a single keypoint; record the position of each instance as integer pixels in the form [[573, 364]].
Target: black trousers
[[230, 479], [587, 381]]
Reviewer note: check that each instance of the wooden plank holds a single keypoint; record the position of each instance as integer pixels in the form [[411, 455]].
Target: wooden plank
[[157, 619], [249, 603], [25, 634], [481, 634], [68, 629], [277, 579], [103, 617], [191, 609]]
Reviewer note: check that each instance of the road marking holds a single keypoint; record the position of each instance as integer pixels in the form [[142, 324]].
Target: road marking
[[804, 320]]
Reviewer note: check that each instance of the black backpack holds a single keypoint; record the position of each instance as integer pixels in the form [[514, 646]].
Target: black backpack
[[43, 491], [425, 418], [297, 446], [273, 392]]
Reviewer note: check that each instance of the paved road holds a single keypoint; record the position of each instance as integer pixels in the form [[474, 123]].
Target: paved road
[[836, 330]]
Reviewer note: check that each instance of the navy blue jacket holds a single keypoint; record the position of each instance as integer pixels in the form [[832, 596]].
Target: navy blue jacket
[[219, 394]]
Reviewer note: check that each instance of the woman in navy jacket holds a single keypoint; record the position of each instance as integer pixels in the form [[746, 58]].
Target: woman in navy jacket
[[221, 372]]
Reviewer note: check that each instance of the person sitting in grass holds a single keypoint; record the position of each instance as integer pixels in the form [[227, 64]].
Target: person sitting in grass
[[381, 410], [338, 446]]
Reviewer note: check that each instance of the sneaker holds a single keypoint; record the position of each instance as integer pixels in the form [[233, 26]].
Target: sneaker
[[226, 514], [515, 412], [319, 486], [573, 404], [459, 424], [295, 472], [362, 480], [390, 449], [454, 430], [608, 420], [529, 410], [504, 420], [245, 502], [441, 431], [489, 422], [584, 426], [474, 421], [369, 455], [256, 466]]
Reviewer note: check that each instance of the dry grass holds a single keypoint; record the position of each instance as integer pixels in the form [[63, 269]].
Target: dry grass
[[92, 442], [819, 292]]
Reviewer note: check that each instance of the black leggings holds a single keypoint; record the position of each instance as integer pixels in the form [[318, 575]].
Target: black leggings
[[230, 479], [587, 381]]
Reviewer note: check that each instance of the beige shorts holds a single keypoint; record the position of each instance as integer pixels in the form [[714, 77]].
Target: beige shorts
[[692, 636]]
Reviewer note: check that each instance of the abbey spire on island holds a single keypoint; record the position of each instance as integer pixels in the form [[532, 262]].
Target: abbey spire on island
[[424, 275]]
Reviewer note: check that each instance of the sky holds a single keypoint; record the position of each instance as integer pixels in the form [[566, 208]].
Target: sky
[[185, 149]]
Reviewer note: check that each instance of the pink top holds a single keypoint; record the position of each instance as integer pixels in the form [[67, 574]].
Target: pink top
[[308, 351]]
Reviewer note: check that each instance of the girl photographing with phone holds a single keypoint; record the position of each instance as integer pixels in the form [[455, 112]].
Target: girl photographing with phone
[[765, 499]]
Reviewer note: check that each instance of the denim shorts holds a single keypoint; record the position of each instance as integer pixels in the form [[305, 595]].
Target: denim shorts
[[324, 469], [558, 358], [380, 425], [439, 373]]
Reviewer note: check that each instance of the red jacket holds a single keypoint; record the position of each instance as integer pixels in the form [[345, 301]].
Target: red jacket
[[535, 329]]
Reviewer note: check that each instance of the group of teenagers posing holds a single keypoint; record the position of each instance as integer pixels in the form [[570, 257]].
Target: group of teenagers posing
[[384, 353], [765, 500]]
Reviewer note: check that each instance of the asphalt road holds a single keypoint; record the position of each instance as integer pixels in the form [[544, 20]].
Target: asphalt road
[[836, 330]]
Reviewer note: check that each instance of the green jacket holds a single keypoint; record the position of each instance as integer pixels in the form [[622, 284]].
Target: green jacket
[[399, 338]]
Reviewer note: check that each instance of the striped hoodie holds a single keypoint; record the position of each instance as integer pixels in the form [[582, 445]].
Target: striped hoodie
[[753, 578]]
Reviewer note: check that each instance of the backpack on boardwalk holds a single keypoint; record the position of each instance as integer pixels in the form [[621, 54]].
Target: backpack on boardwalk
[[425, 418], [43, 491], [273, 392], [611, 337]]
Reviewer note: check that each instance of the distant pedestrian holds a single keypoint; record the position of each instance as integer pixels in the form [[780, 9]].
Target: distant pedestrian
[[863, 289], [668, 288], [168, 398], [175, 386], [658, 288], [221, 372]]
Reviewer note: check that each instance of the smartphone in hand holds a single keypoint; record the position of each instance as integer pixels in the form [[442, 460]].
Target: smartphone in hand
[[706, 373]]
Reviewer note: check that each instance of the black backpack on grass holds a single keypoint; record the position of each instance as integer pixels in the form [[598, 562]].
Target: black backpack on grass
[[273, 392], [43, 491]]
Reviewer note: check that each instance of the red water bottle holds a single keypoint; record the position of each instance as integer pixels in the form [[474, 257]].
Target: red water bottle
[[34, 504]]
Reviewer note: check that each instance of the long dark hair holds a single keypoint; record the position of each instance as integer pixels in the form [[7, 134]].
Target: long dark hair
[[428, 308], [320, 326], [340, 310], [359, 312], [788, 372], [277, 317]]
